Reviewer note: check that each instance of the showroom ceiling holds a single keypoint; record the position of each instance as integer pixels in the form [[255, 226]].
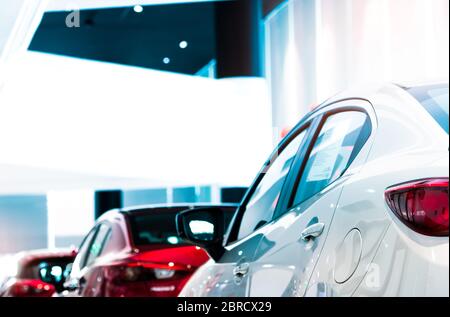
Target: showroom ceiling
[[176, 37], [61, 5]]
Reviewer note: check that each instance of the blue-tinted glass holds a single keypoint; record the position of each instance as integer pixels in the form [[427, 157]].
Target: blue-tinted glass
[[261, 205], [155, 227], [333, 151], [144, 196], [434, 99]]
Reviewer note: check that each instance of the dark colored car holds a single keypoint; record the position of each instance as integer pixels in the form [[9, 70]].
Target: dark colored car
[[39, 273], [136, 252]]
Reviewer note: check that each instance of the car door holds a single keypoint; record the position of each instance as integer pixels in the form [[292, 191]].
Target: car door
[[292, 243], [228, 276], [73, 281], [89, 284], [82, 279]]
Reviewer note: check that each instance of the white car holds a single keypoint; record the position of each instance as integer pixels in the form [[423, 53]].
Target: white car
[[353, 202]]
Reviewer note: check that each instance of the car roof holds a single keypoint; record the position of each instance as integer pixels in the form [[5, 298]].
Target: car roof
[[25, 257], [174, 206], [370, 90], [413, 84], [153, 207]]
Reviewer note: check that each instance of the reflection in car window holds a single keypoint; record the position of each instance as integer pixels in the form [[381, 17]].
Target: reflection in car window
[[340, 139], [50, 273], [157, 227], [83, 251], [52, 270], [261, 205], [434, 99], [96, 247]]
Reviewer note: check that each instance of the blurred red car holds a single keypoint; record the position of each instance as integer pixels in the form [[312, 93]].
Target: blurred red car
[[136, 252], [39, 273]]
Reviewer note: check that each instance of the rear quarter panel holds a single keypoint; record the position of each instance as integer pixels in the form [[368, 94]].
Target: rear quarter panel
[[408, 145]]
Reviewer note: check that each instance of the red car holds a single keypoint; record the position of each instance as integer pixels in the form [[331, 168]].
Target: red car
[[136, 252], [39, 273]]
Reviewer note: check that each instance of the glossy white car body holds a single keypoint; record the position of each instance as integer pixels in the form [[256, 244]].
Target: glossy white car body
[[365, 249]]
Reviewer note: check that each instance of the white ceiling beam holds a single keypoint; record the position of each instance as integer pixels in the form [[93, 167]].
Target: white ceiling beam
[[19, 20], [69, 5]]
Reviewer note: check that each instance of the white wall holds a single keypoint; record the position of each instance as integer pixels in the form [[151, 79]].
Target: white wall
[[60, 5], [105, 119], [18, 22], [331, 45]]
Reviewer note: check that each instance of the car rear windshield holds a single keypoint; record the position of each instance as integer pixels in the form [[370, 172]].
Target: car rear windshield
[[434, 98], [49, 270], [46, 269], [156, 227]]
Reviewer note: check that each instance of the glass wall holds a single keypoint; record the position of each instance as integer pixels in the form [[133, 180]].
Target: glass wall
[[23, 222], [318, 48]]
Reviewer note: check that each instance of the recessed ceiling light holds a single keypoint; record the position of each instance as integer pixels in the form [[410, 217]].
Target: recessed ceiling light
[[183, 44], [138, 8], [166, 60]]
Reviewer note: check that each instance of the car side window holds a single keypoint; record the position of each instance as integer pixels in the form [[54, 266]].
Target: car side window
[[340, 139], [96, 247], [115, 241], [82, 251], [261, 205]]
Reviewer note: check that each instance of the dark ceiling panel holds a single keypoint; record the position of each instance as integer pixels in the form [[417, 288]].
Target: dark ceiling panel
[[120, 35], [270, 5]]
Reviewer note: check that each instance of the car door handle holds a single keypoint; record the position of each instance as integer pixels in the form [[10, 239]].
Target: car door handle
[[241, 270], [312, 232]]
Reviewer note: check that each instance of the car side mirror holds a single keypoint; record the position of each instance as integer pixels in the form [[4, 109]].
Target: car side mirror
[[204, 227]]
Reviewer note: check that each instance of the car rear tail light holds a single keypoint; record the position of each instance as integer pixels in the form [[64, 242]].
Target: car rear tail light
[[140, 272], [422, 205], [130, 279], [163, 274], [32, 288]]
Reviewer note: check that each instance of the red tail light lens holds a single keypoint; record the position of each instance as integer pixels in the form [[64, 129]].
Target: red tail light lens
[[422, 205], [32, 288], [129, 279], [140, 272]]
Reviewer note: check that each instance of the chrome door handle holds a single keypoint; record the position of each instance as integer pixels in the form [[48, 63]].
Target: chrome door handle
[[241, 270], [312, 231]]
